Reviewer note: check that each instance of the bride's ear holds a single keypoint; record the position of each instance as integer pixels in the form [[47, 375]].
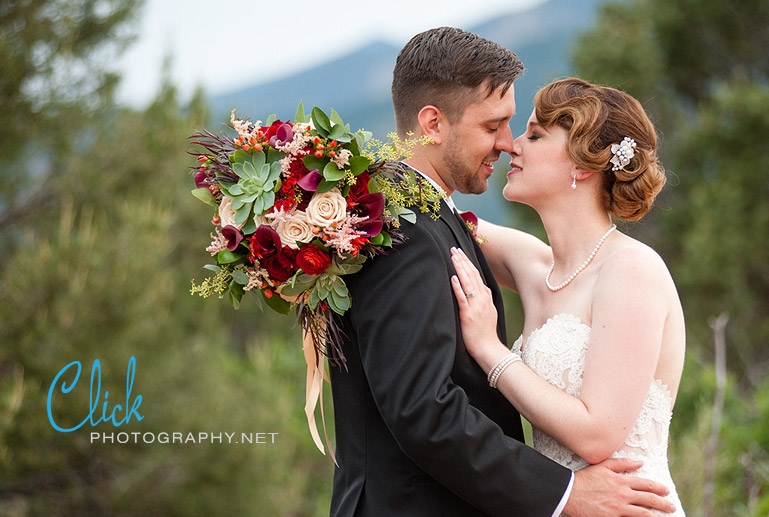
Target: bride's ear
[[580, 174], [432, 122]]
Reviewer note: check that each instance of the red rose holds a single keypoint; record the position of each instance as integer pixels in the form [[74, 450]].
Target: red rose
[[360, 188], [313, 260], [281, 267]]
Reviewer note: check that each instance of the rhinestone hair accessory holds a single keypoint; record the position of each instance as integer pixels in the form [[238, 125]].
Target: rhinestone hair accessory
[[623, 152]]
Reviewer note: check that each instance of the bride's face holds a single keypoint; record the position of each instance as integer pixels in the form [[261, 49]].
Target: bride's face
[[541, 166]]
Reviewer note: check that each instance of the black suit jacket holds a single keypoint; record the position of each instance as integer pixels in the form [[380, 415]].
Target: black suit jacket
[[419, 432]]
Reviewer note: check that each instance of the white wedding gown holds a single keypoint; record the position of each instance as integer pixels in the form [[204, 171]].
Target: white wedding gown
[[556, 351]]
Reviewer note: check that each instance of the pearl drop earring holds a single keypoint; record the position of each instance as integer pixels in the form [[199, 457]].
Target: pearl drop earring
[[574, 182]]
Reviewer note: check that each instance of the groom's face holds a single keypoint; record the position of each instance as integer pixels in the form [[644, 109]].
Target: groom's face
[[476, 140]]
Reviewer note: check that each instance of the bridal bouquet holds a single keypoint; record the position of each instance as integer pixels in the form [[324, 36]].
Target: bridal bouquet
[[297, 206]]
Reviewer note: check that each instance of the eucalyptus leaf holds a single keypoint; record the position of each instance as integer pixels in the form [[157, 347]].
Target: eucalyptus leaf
[[236, 294], [325, 186], [313, 162], [321, 121], [240, 277], [335, 118], [212, 267], [234, 300], [276, 303], [365, 136], [204, 195], [344, 138], [300, 116], [332, 173], [359, 164], [272, 118], [273, 155], [228, 257], [354, 147], [337, 132], [408, 215]]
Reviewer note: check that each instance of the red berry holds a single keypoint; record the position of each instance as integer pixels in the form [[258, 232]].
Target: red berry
[[319, 154]]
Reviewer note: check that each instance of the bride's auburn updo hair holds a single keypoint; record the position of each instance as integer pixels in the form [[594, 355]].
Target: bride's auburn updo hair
[[597, 117]]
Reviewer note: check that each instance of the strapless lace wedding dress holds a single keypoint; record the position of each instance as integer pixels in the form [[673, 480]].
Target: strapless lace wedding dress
[[556, 351]]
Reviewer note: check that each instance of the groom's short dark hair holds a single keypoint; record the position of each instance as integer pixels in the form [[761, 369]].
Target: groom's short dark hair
[[443, 67]]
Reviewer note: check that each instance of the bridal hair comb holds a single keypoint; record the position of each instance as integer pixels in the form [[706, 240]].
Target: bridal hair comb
[[623, 152]]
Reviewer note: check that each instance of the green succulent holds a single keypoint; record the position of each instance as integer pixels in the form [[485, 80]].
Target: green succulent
[[256, 187]]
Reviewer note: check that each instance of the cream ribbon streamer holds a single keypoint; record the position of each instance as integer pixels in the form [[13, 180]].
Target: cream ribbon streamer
[[316, 374]]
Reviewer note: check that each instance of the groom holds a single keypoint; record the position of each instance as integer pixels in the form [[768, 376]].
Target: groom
[[419, 432]]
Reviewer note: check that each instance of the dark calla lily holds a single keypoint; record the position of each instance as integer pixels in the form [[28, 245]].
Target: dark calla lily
[[371, 227], [371, 205], [233, 236], [283, 135], [310, 181], [265, 242]]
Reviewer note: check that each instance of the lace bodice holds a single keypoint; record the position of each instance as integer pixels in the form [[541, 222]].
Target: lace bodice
[[556, 352]]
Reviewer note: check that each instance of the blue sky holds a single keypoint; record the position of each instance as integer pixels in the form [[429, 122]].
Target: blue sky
[[227, 44]]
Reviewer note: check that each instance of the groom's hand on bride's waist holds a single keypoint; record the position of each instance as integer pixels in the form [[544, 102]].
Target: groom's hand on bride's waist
[[602, 490]]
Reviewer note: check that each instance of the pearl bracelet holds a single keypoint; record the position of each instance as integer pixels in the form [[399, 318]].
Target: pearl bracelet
[[500, 367]]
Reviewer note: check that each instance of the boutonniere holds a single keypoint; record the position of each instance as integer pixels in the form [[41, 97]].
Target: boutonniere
[[471, 220]]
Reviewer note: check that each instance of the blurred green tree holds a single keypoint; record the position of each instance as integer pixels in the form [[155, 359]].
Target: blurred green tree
[[102, 270], [53, 54]]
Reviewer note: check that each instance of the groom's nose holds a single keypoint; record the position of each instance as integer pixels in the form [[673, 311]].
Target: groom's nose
[[504, 142]]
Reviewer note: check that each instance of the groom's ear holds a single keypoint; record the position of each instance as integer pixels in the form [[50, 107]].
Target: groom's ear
[[432, 122]]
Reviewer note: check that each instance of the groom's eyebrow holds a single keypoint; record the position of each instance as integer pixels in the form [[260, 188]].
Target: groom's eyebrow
[[498, 119]]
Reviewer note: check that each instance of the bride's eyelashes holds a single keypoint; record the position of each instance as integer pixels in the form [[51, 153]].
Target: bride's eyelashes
[[533, 136]]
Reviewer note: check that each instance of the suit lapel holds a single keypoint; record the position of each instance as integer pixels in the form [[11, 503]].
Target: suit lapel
[[473, 251], [461, 232]]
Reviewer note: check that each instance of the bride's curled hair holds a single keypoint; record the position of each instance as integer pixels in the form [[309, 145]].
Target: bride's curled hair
[[597, 117]]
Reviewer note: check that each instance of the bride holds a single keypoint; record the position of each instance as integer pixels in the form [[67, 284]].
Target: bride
[[603, 339]]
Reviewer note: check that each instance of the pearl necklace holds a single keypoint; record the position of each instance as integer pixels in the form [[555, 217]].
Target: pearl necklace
[[580, 268]]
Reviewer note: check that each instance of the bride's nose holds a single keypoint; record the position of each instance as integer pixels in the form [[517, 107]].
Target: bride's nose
[[517, 148]]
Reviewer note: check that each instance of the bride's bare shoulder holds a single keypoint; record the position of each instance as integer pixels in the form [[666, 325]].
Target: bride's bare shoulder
[[635, 262]]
